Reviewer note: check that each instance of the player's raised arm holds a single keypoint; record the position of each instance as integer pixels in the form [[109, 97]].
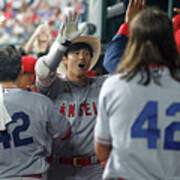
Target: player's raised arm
[[47, 65], [177, 10], [117, 46]]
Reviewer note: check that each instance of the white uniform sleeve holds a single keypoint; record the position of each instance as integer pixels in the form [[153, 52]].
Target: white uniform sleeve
[[5, 118], [102, 132], [47, 65]]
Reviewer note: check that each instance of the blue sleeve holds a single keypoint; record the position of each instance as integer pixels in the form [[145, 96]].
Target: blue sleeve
[[114, 52]]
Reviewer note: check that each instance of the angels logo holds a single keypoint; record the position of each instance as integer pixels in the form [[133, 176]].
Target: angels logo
[[84, 109]]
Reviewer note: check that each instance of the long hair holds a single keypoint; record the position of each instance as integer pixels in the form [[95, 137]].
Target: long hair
[[151, 42]]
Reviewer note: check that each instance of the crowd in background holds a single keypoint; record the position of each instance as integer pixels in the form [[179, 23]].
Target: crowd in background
[[20, 18]]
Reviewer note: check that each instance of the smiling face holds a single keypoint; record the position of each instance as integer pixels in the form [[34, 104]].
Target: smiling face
[[77, 63]]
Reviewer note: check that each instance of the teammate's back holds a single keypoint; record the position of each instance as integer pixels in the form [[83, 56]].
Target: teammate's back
[[27, 140], [33, 122], [137, 129], [144, 128]]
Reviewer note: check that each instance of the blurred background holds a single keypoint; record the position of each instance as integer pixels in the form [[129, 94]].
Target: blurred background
[[20, 18]]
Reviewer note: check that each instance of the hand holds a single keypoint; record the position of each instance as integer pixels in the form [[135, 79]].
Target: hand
[[134, 7], [177, 10], [69, 29]]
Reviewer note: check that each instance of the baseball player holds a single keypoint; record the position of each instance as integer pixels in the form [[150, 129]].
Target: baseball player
[[75, 96], [137, 129], [28, 124]]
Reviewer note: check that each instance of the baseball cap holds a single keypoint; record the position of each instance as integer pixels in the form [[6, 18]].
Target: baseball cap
[[28, 63], [94, 43]]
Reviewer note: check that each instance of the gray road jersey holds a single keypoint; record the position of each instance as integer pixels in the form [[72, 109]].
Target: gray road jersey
[[28, 139], [78, 102], [142, 124]]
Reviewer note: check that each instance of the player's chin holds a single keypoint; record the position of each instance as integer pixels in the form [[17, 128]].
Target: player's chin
[[82, 70], [82, 73]]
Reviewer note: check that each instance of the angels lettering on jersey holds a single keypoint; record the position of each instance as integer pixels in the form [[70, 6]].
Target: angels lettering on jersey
[[78, 110]]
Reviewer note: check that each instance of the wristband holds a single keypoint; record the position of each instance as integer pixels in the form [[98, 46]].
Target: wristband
[[67, 43]]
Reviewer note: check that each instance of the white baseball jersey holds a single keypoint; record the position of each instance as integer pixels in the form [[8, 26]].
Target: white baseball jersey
[[142, 123], [27, 141]]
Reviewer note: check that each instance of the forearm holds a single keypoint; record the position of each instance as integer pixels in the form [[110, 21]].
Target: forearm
[[116, 49], [46, 66], [54, 57], [102, 151]]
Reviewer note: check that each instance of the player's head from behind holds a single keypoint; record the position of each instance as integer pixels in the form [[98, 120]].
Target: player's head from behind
[[151, 42], [28, 78], [10, 64], [80, 57]]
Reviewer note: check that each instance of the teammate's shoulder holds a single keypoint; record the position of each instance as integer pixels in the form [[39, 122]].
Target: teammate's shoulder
[[114, 82], [37, 96], [98, 79], [111, 79]]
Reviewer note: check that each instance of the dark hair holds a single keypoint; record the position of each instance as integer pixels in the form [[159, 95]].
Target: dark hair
[[10, 63], [151, 42], [77, 46]]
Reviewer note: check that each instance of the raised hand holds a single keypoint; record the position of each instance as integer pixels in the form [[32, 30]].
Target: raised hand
[[69, 29], [134, 7], [177, 10]]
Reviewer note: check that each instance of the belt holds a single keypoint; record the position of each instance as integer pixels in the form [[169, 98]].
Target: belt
[[79, 161], [38, 176]]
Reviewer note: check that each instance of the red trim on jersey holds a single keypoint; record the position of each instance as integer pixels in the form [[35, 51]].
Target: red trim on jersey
[[157, 66], [39, 176], [91, 74], [102, 139], [67, 133], [59, 74], [124, 29], [120, 179]]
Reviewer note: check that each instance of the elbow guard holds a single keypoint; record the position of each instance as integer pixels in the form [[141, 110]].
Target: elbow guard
[[42, 70]]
